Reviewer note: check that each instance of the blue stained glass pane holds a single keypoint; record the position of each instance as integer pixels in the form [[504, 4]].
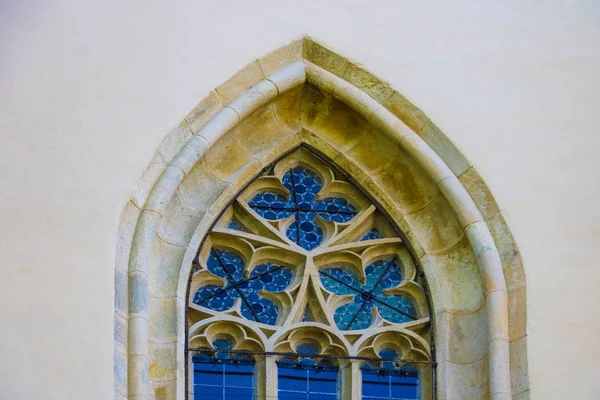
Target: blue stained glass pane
[[303, 186], [235, 226], [222, 375], [380, 275], [269, 277], [239, 375], [305, 379], [371, 235], [306, 317], [208, 392], [388, 381]]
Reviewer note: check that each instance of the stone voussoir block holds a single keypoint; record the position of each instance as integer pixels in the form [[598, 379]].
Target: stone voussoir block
[[444, 148], [162, 321], [175, 141], [436, 226], [461, 338], [518, 365], [480, 193], [289, 77], [259, 95], [426, 157], [127, 227], [204, 111], [148, 180], [164, 189], [247, 77], [179, 221], [142, 240], [460, 201], [164, 269], [412, 116], [517, 314], [324, 58], [368, 83], [276, 60], [190, 153]]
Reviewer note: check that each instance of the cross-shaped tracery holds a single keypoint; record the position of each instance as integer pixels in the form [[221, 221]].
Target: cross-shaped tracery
[[302, 256]]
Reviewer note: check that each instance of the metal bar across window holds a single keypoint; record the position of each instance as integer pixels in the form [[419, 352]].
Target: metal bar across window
[[323, 356]]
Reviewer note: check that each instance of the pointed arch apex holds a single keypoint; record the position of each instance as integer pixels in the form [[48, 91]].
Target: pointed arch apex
[[243, 125]]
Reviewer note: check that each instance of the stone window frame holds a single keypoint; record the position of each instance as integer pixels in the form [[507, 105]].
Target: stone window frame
[[415, 338], [306, 93]]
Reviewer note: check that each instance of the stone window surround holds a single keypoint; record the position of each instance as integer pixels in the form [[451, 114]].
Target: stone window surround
[[150, 214], [410, 338]]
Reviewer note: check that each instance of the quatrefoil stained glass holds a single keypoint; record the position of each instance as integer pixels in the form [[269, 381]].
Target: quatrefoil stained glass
[[267, 277], [380, 275], [301, 202], [302, 262]]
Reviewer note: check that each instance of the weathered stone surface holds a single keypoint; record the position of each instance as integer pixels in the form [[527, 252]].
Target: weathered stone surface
[[179, 221], [444, 148], [369, 83], [463, 381], [324, 58], [120, 333], [175, 141], [200, 188], [138, 293], [461, 338], [146, 183], [509, 253], [461, 202], [460, 279], [436, 226], [164, 390], [127, 227], [258, 96], [164, 268], [121, 292], [426, 157], [408, 184], [277, 59], [142, 240], [480, 193], [226, 157], [120, 372], [163, 365], [519, 369], [258, 132], [162, 321], [517, 313], [164, 189], [247, 77], [287, 110], [203, 111], [406, 111], [526, 395], [331, 119]]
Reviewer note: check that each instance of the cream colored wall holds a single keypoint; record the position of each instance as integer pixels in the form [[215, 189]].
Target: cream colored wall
[[88, 90]]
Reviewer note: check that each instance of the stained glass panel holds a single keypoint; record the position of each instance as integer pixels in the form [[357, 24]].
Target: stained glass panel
[[380, 275], [389, 381], [228, 265], [303, 186]]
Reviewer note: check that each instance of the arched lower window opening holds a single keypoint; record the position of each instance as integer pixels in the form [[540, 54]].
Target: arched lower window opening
[[389, 380], [221, 375], [307, 276], [307, 377]]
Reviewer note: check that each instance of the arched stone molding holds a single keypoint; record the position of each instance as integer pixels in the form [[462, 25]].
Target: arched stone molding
[[305, 94]]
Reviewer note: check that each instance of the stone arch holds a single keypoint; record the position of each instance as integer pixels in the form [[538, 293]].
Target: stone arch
[[306, 94]]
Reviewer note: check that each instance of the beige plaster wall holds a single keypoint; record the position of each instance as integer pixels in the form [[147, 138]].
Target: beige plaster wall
[[88, 90]]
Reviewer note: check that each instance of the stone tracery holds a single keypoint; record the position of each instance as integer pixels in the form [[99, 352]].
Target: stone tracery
[[300, 256]]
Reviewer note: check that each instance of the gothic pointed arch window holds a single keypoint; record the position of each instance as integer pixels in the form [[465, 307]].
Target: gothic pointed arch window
[[305, 289]]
